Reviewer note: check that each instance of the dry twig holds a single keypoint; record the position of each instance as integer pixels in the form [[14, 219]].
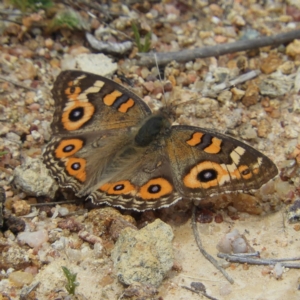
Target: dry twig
[[214, 90], [53, 203], [204, 253], [17, 84], [27, 290], [199, 292], [260, 261], [242, 45]]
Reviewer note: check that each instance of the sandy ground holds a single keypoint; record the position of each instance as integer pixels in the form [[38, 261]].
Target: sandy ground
[[268, 234]]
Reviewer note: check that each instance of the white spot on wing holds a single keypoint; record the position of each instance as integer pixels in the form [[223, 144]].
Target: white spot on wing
[[91, 90], [236, 154], [230, 168], [239, 150], [82, 97], [223, 179], [235, 157], [78, 79], [99, 84], [259, 162]]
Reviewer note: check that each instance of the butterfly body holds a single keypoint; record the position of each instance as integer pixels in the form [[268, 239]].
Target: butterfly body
[[109, 147]]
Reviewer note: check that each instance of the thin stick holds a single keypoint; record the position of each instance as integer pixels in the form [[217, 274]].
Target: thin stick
[[214, 90], [204, 253], [260, 261], [199, 292], [251, 254], [28, 290], [157, 67], [235, 81], [10, 12], [146, 59], [11, 21], [53, 203], [17, 84]]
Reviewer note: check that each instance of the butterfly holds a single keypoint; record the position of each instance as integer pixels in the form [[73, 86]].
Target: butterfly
[[109, 147]]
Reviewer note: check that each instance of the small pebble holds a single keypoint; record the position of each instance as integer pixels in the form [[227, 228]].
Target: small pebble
[[234, 242], [63, 211], [293, 49], [59, 244], [13, 137], [251, 95], [20, 278], [98, 250], [34, 239], [238, 21], [278, 270], [225, 289], [49, 43], [21, 208]]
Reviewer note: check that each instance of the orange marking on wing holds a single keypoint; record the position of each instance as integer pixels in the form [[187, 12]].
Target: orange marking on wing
[[236, 174], [72, 92], [109, 188], [245, 168], [80, 173], [88, 111], [165, 188], [196, 139], [214, 147], [110, 99], [60, 152], [125, 106], [191, 179]]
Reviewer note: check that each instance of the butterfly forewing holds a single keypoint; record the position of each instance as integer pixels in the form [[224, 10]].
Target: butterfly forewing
[[88, 102]]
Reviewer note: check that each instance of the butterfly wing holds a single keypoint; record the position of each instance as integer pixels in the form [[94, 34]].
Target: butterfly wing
[[144, 182], [205, 162], [190, 162], [94, 118], [88, 102]]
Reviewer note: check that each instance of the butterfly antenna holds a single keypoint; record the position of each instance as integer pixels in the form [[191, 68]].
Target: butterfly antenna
[[184, 103], [156, 63]]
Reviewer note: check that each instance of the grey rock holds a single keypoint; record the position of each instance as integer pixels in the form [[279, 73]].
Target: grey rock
[[33, 178], [247, 132], [13, 137], [276, 85], [144, 256]]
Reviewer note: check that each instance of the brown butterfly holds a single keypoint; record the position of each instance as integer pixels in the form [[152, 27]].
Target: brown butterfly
[[107, 145]]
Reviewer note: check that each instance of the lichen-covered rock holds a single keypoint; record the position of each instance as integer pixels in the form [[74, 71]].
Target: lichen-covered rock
[[33, 178], [13, 256], [144, 256], [21, 208]]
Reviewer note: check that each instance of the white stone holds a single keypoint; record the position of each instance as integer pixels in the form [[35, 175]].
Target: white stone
[[94, 63]]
